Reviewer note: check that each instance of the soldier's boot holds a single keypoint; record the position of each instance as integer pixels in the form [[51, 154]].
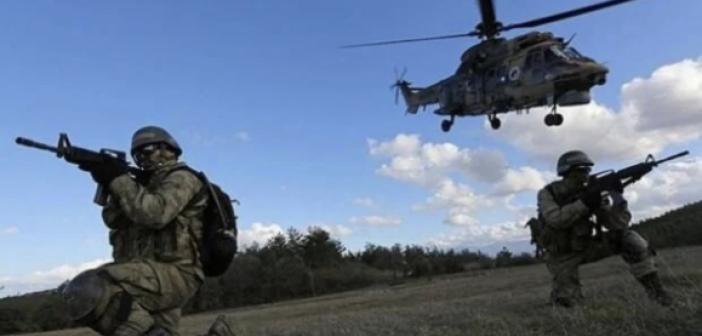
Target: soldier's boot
[[654, 288], [563, 302], [220, 327]]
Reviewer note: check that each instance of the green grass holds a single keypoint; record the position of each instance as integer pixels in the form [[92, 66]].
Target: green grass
[[509, 301]]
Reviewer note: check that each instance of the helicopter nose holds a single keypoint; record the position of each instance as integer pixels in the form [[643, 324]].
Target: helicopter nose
[[598, 74]]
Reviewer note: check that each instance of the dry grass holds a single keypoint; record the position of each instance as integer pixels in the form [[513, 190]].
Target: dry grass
[[498, 302]]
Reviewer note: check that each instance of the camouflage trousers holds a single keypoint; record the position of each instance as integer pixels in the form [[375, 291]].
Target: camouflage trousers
[[565, 281], [155, 293]]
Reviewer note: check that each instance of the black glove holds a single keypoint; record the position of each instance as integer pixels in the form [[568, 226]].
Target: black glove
[[104, 172], [592, 199], [142, 177]]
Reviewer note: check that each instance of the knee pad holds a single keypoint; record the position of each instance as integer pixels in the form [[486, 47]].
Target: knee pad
[[91, 300], [634, 247], [82, 295]]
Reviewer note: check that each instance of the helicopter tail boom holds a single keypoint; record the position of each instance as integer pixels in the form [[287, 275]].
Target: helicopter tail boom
[[408, 94], [416, 97]]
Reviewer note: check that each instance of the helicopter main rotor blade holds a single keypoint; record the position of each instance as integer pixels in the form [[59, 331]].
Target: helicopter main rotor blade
[[564, 15], [487, 12], [443, 37], [489, 26]]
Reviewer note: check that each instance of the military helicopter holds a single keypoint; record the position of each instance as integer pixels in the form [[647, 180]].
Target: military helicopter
[[500, 75]]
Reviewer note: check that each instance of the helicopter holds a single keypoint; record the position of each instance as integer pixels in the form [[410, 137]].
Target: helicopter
[[501, 75]]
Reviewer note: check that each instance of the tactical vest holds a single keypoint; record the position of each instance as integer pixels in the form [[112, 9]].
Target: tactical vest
[[174, 243], [575, 238]]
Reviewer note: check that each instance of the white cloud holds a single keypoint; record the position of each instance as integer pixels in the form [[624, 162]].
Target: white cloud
[[460, 202], [658, 111], [437, 167], [364, 202], [9, 231], [375, 220], [43, 280], [426, 164], [258, 233], [671, 99], [480, 235], [402, 145], [522, 179], [669, 186], [336, 230]]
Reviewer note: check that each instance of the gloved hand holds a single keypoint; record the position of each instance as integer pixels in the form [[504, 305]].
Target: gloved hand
[[104, 173], [592, 199]]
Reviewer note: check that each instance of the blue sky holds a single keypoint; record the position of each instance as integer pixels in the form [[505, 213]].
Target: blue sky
[[260, 96]]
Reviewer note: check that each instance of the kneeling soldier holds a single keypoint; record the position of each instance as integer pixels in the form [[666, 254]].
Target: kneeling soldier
[[155, 221], [571, 215]]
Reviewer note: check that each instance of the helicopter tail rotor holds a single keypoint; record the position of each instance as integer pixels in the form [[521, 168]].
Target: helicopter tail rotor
[[400, 82]]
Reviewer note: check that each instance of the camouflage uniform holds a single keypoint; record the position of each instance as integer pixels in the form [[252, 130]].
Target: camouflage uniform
[[154, 234], [569, 241], [156, 224]]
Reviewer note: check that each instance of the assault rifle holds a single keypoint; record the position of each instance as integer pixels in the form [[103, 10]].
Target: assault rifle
[[77, 155], [614, 182]]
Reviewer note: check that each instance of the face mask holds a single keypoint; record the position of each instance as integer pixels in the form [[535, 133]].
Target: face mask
[[579, 176], [148, 157]]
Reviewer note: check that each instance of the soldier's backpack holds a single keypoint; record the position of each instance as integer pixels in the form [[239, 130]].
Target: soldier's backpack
[[536, 227], [218, 245]]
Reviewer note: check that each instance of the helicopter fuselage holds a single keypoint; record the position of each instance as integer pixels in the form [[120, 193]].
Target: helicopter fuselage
[[499, 76]]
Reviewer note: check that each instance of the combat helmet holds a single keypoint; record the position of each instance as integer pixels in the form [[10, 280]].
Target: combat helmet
[[152, 135], [572, 159]]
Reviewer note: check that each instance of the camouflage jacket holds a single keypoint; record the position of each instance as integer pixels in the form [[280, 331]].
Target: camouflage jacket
[[569, 224], [161, 220]]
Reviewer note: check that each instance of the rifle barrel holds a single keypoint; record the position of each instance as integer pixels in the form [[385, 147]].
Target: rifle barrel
[[673, 157], [34, 144]]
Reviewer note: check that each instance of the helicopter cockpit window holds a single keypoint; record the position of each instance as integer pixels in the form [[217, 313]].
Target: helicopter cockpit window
[[572, 53], [554, 54]]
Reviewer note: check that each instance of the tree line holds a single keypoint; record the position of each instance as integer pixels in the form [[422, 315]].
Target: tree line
[[288, 266], [295, 265]]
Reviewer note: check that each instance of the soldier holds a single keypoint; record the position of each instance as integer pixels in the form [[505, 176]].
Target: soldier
[[571, 214], [155, 221]]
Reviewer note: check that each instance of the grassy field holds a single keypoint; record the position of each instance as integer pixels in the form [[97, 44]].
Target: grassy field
[[509, 301]]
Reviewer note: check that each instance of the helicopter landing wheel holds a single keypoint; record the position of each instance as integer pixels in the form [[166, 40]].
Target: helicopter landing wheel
[[446, 125], [553, 119], [557, 119], [495, 122], [549, 120]]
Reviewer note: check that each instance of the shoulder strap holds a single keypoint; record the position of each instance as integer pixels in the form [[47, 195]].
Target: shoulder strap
[[206, 188], [200, 175], [561, 201]]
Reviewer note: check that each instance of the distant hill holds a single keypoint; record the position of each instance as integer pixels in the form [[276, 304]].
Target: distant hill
[[516, 247], [679, 227]]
